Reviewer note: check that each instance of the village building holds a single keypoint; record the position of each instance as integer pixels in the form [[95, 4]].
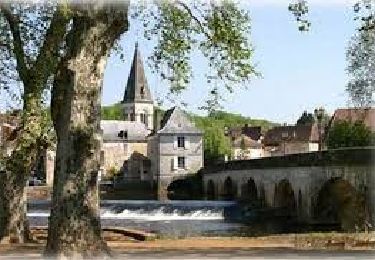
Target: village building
[[245, 148], [143, 148], [283, 140], [246, 142]]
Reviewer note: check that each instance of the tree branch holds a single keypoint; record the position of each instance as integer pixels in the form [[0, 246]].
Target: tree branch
[[188, 10], [47, 60], [18, 51]]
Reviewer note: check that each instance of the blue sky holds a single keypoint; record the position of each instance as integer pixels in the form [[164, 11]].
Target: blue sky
[[301, 71]]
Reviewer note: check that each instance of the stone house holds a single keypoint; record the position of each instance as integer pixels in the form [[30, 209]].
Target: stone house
[[176, 150], [143, 148], [245, 148], [282, 140], [124, 148], [246, 142]]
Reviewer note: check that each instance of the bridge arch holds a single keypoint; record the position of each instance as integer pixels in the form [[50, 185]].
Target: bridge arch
[[262, 196], [211, 190], [249, 191], [229, 189], [284, 197], [340, 204]]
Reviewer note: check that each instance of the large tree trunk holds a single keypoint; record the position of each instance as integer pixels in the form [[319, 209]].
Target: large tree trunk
[[13, 221], [16, 167], [74, 225]]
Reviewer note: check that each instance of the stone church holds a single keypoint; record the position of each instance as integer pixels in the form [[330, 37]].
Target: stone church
[[145, 146]]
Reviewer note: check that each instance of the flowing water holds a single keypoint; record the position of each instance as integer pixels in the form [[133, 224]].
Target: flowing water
[[172, 218]]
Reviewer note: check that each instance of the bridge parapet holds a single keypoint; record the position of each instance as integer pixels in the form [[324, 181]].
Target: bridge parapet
[[348, 156]]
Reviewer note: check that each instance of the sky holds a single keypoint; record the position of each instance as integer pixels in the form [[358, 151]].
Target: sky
[[300, 70]]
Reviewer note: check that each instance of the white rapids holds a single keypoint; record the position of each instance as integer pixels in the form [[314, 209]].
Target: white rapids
[[158, 214]]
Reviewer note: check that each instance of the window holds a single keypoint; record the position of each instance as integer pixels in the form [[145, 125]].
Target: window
[[181, 162], [144, 118], [142, 91], [132, 117], [181, 142], [123, 134]]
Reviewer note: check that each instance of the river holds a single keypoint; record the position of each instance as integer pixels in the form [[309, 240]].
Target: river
[[185, 218], [170, 219]]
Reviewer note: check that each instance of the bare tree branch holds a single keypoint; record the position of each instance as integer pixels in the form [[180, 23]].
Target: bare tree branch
[[18, 51]]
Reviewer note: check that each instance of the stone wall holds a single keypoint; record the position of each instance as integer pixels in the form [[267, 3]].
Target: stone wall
[[116, 153]]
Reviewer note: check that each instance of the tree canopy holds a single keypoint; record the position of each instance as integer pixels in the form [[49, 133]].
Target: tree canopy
[[306, 118], [347, 134]]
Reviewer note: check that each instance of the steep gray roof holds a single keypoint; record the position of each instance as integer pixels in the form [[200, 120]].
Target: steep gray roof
[[136, 131], [137, 88], [176, 121]]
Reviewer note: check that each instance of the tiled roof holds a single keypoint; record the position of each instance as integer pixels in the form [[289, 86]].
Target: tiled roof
[[297, 133], [365, 115], [245, 141], [254, 132], [176, 121], [137, 88], [136, 131]]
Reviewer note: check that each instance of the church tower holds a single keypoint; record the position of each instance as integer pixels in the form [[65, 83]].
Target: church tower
[[138, 104]]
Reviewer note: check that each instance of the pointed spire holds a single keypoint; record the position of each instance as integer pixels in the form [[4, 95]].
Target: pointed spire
[[137, 88]]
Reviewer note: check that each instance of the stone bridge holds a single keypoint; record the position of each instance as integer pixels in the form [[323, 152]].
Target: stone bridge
[[337, 186]]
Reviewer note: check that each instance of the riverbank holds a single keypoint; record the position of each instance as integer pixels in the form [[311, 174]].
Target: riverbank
[[309, 242]]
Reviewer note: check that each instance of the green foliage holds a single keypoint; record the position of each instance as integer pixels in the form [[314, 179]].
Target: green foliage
[[300, 9], [361, 59], [346, 134], [227, 119], [218, 29], [361, 56], [112, 112], [216, 143]]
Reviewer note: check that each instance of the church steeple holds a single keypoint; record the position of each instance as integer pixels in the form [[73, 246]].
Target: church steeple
[[137, 88], [137, 103]]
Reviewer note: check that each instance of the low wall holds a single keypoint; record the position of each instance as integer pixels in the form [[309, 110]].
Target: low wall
[[355, 156]]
